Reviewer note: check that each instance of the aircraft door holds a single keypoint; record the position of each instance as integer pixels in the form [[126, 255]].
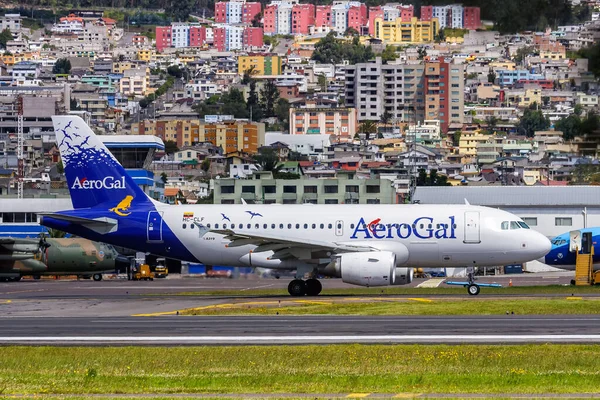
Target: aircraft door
[[339, 228], [472, 228], [154, 226]]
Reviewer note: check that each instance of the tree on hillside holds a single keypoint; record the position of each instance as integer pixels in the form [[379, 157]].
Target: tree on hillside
[[256, 20], [253, 103], [389, 53], [180, 10], [5, 36], [491, 77], [386, 117], [282, 111], [332, 50], [62, 66], [570, 126], [268, 98], [233, 103], [171, 147], [368, 128], [267, 158], [532, 121]]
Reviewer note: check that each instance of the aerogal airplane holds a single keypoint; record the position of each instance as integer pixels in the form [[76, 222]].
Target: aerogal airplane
[[366, 245]]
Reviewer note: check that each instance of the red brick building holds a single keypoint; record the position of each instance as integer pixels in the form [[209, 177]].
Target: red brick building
[[472, 18], [303, 16], [163, 38]]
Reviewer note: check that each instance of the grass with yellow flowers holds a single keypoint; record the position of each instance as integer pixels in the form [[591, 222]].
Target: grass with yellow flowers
[[526, 369], [404, 306]]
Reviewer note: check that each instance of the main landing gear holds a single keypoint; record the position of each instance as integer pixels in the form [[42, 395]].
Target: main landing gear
[[309, 287]]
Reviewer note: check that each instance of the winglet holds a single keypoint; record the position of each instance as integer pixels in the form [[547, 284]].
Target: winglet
[[467, 202]]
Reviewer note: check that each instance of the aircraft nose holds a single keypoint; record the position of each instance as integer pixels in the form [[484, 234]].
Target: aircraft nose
[[540, 246]]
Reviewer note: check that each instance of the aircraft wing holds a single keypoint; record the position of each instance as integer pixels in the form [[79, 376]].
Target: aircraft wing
[[275, 243]]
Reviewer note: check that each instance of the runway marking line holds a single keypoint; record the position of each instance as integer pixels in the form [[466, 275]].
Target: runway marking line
[[421, 300], [574, 298], [5, 301], [407, 395], [357, 395]]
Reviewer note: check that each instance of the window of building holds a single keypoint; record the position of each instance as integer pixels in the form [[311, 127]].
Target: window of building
[[289, 189], [248, 189], [373, 189], [270, 189], [330, 189], [331, 201], [563, 221], [310, 189], [531, 221], [227, 189], [351, 188]]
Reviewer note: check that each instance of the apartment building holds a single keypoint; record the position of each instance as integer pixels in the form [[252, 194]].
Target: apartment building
[[389, 12], [11, 22], [135, 82], [444, 92], [230, 135], [236, 12], [453, 16], [409, 92], [311, 119], [262, 64], [163, 38], [303, 17], [398, 32], [373, 88]]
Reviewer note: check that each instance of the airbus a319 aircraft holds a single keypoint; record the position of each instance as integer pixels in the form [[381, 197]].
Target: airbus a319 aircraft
[[366, 245]]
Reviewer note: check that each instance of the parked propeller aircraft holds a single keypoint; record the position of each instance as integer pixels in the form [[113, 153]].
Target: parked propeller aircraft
[[82, 257], [366, 245]]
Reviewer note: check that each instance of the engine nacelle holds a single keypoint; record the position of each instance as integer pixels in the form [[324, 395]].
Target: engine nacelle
[[376, 268], [404, 276]]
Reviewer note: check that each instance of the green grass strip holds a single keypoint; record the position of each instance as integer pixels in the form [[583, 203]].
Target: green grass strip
[[434, 306], [402, 290], [301, 369]]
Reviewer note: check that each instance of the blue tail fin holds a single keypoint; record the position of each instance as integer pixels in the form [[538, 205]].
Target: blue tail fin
[[93, 174]]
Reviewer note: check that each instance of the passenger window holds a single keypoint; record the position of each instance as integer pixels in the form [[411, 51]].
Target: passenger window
[[280, 226], [216, 226], [322, 226], [249, 226], [191, 226], [314, 226], [514, 225], [297, 226], [241, 226], [184, 226], [329, 226], [208, 226], [289, 226], [504, 225], [351, 226], [305, 226], [339, 226], [256, 226], [272, 226]]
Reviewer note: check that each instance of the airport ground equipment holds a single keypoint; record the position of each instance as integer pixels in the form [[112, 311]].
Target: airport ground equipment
[[584, 259], [473, 288], [143, 273], [161, 271]]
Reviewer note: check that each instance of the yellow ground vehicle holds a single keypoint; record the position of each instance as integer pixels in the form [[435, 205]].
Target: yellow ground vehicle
[[161, 271], [143, 273]]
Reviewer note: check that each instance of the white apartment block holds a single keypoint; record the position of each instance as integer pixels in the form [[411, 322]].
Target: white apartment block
[[12, 22], [235, 38], [390, 13], [180, 35], [234, 12], [454, 12], [284, 18]]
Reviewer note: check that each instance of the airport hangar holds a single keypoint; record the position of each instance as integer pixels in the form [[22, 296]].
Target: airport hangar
[[551, 210]]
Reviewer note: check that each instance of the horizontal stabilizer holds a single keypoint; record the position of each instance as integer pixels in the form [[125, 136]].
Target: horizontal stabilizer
[[100, 225]]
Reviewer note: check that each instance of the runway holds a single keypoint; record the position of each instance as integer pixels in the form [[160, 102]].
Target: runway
[[180, 330]]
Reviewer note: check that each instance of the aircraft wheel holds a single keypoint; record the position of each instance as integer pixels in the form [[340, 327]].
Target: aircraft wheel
[[473, 289], [313, 287], [97, 277], [297, 287], [572, 282]]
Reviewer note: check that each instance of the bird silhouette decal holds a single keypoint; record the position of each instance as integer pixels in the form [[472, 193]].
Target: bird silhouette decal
[[254, 214], [225, 217]]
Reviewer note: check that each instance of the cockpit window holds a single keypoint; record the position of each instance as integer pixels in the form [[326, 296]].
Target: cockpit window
[[523, 225], [506, 225]]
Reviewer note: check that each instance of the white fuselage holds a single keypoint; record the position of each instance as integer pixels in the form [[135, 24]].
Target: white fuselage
[[435, 235]]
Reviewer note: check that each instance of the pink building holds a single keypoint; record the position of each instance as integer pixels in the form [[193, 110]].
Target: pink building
[[270, 19], [221, 12], [220, 38], [303, 16], [374, 13], [252, 37], [323, 16], [139, 40], [163, 38], [357, 17], [249, 11], [472, 18], [426, 13], [406, 12], [197, 36]]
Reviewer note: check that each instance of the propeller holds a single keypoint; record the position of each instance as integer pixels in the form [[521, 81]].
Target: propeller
[[43, 244]]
